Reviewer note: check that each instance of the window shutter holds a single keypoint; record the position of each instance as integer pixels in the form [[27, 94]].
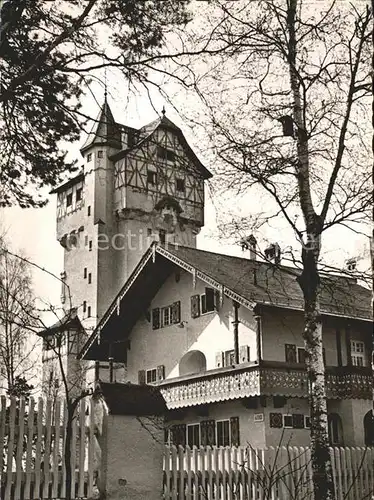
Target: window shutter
[[203, 434], [176, 312], [290, 353], [156, 318], [244, 354], [220, 359], [141, 377], [211, 432], [234, 430], [276, 420], [210, 295], [195, 306], [161, 372]]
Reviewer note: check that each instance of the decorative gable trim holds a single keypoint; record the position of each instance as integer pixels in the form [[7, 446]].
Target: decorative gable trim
[[206, 278]]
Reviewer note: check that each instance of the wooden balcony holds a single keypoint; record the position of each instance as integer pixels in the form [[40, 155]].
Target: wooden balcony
[[267, 378]]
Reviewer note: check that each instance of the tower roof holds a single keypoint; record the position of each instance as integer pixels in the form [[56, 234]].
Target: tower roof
[[105, 130]]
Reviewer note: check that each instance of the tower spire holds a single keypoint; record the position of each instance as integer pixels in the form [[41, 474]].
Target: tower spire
[[105, 85]]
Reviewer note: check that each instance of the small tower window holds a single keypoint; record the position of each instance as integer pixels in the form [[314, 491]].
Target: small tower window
[[84, 306], [79, 194], [69, 200], [89, 157], [162, 236], [151, 178], [90, 246], [89, 210], [89, 278], [89, 311], [85, 273], [165, 154], [180, 185], [100, 154]]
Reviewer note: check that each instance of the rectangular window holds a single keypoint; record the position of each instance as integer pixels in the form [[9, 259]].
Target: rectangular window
[[89, 278], [78, 195], [307, 422], [165, 154], [208, 301], [90, 246], [89, 157], [85, 273], [229, 357], [193, 435], [287, 421], [301, 355], [166, 315], [358, 353], [89, 210], [180, 185], [223, 432], [84, 306], [162, 236], [89, 311], [151, 376], [86, 240], [290, 353], [151, 178], [69, 200], [100, 154]]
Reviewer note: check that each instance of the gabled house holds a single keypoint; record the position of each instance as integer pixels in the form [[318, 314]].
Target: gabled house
[[222, 337]]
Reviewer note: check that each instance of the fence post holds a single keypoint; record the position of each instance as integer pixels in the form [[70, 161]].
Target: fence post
[[130, 432]]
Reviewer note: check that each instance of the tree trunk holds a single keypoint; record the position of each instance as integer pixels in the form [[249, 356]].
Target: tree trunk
[[321, 463], [309, 282], [67, 452]]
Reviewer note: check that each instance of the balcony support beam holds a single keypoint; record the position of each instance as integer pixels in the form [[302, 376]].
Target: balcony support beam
[[236, 331]]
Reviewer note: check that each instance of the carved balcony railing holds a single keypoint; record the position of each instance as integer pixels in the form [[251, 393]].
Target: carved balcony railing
[[266, 378]]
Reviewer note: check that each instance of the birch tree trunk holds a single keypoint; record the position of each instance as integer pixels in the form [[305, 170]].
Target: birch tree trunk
[[309, 282]]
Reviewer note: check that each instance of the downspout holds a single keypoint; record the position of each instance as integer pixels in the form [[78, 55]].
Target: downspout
[[236, 331]]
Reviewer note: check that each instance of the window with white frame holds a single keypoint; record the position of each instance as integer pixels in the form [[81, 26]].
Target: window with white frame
[[166, 316], [151, 375], [193, 435], [223, 432], [358, 353]]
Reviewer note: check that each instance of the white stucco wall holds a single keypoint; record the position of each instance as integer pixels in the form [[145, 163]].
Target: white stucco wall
[[210, 333]]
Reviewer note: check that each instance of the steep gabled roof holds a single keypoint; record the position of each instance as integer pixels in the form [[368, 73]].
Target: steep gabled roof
[[145, 133], [69, 321], [249, 282], [105, 130]]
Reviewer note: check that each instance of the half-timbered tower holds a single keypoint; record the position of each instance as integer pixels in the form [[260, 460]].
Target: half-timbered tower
[[135, 186]]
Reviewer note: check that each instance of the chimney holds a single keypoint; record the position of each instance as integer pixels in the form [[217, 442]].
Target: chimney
[[249, 243], [273, 253]]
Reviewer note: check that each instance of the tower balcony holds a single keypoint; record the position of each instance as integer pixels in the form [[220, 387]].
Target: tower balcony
[[268, 378]]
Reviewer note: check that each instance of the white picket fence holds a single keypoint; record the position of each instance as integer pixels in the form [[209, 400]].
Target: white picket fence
[[32, 443], [244, 473]]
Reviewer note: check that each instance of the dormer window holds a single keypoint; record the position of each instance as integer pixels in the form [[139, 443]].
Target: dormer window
[[69, 200], [165, 154], [151, 178], [180, 185]]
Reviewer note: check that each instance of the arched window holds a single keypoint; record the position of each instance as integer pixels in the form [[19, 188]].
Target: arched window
[[335, 429], [192, 362], [369, 428]]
